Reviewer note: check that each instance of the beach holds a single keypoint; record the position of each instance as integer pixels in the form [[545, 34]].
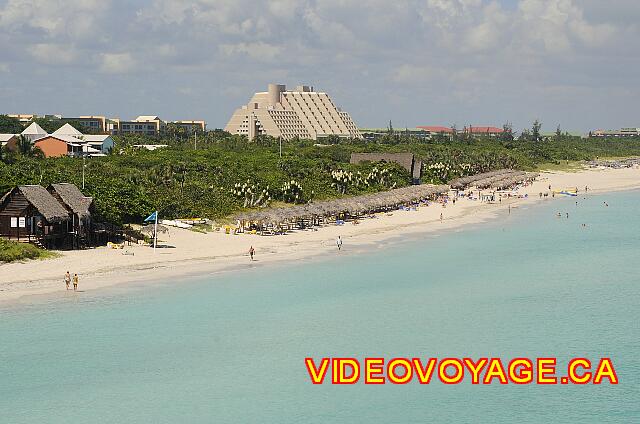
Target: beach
[[184, 252]]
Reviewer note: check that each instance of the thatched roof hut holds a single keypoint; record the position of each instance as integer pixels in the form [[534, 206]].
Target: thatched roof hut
[[72, 197], [44, 203]]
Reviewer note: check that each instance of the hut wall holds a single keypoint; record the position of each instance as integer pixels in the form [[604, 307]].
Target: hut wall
[[15, 206], [403, 159]]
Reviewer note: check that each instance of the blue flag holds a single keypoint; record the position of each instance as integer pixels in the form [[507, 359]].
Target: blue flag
[[151, 217]]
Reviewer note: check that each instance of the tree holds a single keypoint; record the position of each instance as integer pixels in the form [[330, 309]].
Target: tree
[[535, 130], [10, 125], [525, 135], [507, 134], [25, 147]]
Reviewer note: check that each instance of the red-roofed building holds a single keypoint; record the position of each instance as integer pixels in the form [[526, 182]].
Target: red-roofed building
[[490, 131], [433, 130], [437, 129]]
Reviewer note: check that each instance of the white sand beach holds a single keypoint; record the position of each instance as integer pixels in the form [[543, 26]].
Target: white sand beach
[[187, 252]]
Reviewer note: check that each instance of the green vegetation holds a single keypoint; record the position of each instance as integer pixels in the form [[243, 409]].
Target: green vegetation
[[9, 125], [226, 173], [11, 251]]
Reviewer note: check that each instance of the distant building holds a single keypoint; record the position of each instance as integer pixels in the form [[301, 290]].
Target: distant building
[[150, 147], [191, 126], [375, 133], [433, 130], [33, 132], [97, 124], [8, 139], [24, 119], [90, 144], [143, 124], [302, 113], [488, 131], [55, 146], [623, 132], [65, 141]]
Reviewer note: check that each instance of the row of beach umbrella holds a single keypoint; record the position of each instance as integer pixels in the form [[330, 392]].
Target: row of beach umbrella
[[513, 180], [496, 179], [463, 182], [353, 206], [382, 201]]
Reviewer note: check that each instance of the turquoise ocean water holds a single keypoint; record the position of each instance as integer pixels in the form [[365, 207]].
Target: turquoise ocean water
[[230, 348]]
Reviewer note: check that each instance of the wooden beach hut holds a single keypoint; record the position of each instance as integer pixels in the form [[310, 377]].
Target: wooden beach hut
[[30, 213], [78, 207]]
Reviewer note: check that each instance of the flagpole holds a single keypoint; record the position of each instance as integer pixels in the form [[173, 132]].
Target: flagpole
[[155, 232]]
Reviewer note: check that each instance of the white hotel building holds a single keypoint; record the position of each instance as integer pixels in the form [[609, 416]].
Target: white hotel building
[[302, 113]]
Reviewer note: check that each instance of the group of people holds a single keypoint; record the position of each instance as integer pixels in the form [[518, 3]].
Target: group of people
[[68, 280]]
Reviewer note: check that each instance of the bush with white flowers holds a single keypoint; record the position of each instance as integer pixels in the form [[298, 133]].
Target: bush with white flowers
[[252, 194], [292, 192], [341, 180]]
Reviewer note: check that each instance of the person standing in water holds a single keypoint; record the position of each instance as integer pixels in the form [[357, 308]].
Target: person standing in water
[[339, 243], [75, 282], [67, 279], [252, 252]]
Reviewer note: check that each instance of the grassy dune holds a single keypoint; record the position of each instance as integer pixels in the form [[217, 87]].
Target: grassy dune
[[11, 251]]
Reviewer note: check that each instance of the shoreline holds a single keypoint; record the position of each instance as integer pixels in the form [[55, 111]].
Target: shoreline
[[194, 254]]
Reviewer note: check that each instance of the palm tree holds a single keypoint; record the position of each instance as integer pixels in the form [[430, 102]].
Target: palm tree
[[25, 146]]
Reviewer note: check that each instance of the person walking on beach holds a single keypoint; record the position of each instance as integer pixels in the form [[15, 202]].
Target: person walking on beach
[[440, 216], [75, 282], [339, 243], [252, 252], [67, 279]]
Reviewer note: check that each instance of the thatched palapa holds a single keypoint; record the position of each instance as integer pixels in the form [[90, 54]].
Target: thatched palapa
[[463, 182], [352, 207]]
